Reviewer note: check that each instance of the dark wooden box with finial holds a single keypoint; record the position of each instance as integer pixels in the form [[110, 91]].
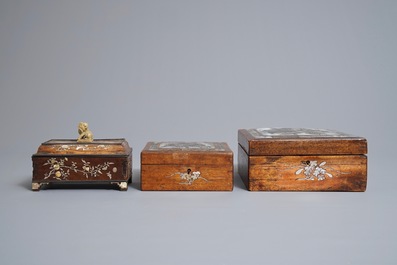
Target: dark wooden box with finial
[[290, 159], [86, 161]]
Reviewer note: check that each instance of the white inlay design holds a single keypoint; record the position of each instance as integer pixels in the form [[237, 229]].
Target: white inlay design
[[313, 171], [188, 146], [188, 177], [80, 147], [61, 169], [295, 133]]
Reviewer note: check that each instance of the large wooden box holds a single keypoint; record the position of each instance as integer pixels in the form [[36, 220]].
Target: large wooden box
[[103, 161], [186, 166], [286, 159]]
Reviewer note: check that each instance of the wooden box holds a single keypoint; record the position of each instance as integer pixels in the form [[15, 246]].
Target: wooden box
[[187, 166], [285, 159], [106, 161]]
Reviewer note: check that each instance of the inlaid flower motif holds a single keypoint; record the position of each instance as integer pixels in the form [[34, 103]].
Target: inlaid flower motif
[[313, 171], [80, 147], [60, 170], [189, 176]]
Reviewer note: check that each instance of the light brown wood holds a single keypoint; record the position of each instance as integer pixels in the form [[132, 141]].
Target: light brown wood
[[152, 155], [344, 145], [299, 159], [168, 177], [187, 166], [287, 173]]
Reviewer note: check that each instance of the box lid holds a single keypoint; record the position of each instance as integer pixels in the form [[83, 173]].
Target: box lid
[[300, 141], [171, 153], [62, 147]]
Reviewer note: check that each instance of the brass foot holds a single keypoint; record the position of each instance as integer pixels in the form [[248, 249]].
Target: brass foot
[[36, 186], [123, 186]]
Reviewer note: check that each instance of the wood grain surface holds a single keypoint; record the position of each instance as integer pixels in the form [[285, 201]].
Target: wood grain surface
[[187, 167], [186, 156], [297, 146], [287, 173], [168, 177]]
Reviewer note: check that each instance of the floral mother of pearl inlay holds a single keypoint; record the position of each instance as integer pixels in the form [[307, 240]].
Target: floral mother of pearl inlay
[[188, 177], [315, 171], [295, 133], [187, 146], [80, 147], [60, 169]]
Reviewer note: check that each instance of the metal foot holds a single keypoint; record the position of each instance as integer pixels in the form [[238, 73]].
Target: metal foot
[[123, 186], [36, 186]]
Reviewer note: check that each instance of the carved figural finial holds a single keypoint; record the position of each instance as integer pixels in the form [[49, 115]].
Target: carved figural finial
[[85, 135]]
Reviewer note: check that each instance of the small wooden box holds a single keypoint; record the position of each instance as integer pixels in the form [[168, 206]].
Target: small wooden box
[[187, 166], [285, 159], [104, 161]]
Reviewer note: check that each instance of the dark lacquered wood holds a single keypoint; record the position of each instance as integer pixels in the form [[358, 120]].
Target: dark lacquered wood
[[66, 161]]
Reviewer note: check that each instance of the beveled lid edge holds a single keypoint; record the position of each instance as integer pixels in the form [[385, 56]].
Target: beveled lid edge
[[224, 147]]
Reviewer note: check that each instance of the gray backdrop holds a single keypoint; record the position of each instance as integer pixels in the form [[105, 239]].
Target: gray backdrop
[[195, 70]]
